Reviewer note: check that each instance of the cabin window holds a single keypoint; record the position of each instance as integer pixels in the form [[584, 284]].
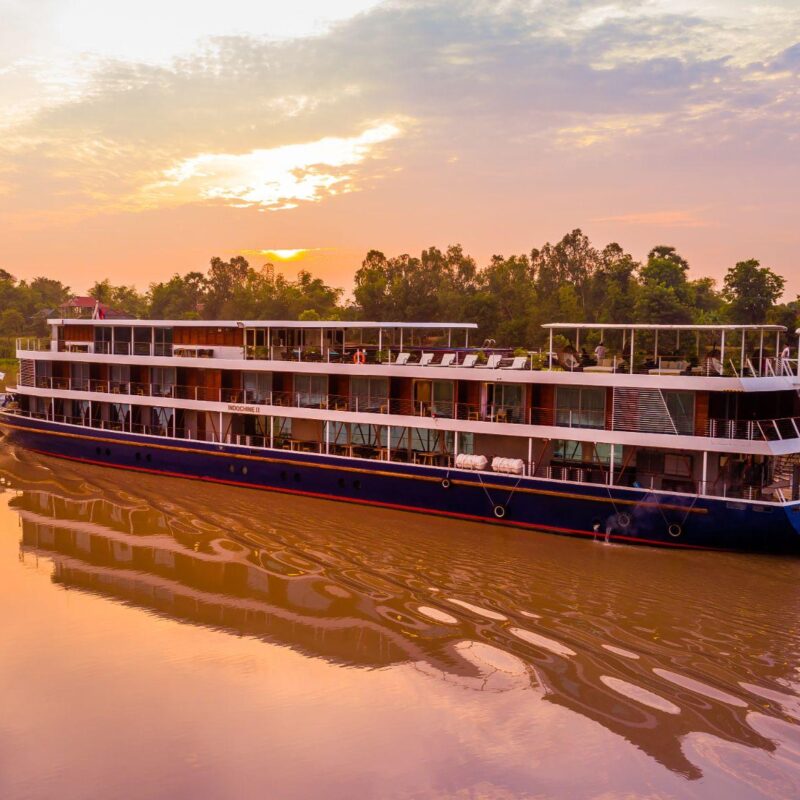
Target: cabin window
[[162, 338], [122, 341], [79, 374], [142, 339], [505, 401], [44, 373], [119, 416], [120, 373], [585, 452], [370, 394], [681, 409], [161, 421], [163, 381], [102, 339], [256, 342], [257, 386], [580, 407], [443, 398], [311, 391]]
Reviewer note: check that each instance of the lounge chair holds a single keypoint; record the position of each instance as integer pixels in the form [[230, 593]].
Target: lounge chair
[[493, 362], [670, 368], [447, 360], [425, 359], [402, 358], [517, 363], [469, 360], [603, 365]]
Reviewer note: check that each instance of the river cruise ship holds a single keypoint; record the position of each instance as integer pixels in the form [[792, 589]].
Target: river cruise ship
[[672, 435]]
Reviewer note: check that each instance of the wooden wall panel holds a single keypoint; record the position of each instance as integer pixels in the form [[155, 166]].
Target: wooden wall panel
[[546, 404], [78, 333], [208, 337], [700, 413]]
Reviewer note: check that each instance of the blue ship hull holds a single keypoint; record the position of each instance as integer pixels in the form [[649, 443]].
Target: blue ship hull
[[586, 510]]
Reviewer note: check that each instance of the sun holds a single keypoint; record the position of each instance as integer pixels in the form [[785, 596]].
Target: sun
[[287, 255]]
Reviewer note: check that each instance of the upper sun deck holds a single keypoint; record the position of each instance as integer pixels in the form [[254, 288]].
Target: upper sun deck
[[738, 352]]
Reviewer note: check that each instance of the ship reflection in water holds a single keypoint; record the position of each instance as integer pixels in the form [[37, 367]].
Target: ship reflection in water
[[343, 652]]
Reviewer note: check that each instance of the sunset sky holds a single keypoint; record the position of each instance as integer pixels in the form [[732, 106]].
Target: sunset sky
[[141, 138]]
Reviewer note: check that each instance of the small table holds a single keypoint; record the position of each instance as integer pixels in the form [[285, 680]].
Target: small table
[[426, 457]]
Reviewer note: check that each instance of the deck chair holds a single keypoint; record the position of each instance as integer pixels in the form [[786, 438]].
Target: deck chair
[[469, 360], [517, 363], [402, 358], [425, 359], [492, 363], [447, 360]]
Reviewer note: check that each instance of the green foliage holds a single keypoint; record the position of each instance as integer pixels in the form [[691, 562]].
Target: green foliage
[[751, 290], [121, 298], [510, 297]]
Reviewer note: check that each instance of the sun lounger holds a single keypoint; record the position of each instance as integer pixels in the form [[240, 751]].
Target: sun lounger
[[469, 360], [425, 359], [517, 363], [447, 360], [493, 362], [604, 365], [402, 358], [670, 368]]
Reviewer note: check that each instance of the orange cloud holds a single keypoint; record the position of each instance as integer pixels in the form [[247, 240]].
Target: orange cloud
[[659, 219]]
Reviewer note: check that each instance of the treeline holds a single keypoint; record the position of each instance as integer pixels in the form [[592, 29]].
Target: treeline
[[510, 297]]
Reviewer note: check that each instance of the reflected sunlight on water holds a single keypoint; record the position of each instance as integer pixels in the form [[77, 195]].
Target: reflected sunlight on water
[[168, 638]]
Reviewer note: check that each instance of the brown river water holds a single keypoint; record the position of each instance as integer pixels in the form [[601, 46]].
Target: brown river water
[[165, 638]]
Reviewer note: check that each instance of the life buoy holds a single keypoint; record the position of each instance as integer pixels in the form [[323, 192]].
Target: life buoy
[[499, 511], [623, 520], [675, 530], [359, 357], [445, 483]]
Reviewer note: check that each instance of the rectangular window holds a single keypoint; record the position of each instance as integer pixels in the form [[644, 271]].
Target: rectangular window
[[257, 386], [681, 409], [443, 398], [122, 341], [163, 381], [79, 374], [162, 338], [580, 407], [102, 339], [369, 394], [311, 391], [505, 402], [256, 342], [142, 339], [586, 452]]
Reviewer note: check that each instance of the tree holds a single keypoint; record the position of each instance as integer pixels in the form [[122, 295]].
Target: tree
[[751, 290], [664, 295], [12, 323], [181, 297], [121, 298]]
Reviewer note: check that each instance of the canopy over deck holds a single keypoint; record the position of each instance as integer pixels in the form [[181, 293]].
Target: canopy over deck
[[327, 324], [737, 340], [643, 326]]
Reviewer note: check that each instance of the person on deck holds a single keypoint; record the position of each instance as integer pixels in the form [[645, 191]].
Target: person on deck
[[600, 352]]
